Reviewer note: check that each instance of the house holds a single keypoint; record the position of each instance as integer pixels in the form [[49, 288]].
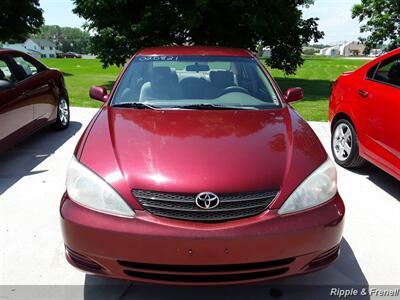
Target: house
[[46, 48], [330, 51], [352, 49], [37, 48], [266, 52]]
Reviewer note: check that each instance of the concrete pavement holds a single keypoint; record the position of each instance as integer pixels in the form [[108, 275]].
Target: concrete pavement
[[32, 176]]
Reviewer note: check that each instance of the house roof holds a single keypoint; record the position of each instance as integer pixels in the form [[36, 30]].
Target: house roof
[[43, 43]]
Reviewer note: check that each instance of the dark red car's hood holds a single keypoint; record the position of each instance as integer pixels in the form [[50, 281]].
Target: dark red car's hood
[[200, 150]]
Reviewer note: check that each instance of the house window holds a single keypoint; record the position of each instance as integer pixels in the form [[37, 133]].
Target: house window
[[43, 55], [51, 55], [51, 48], [42, 47]]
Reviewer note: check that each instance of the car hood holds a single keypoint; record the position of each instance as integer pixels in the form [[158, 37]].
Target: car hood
[[201, 150]]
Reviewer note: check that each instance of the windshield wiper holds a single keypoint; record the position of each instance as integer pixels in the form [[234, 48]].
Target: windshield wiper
[[210, 106], [137, 105]]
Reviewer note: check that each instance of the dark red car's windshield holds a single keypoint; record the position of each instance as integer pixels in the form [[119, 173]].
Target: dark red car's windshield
[[175, 81]]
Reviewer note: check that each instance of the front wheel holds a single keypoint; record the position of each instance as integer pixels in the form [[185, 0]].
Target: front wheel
[[62, 121], [344, 144]]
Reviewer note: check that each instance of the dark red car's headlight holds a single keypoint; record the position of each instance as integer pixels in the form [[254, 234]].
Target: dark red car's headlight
[[316, 189], [89, 190]]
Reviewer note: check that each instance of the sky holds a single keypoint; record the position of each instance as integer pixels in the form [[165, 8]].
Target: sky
[[335, 17]]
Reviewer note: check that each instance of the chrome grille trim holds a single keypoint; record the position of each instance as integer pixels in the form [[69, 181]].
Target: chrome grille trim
[[182, 205]]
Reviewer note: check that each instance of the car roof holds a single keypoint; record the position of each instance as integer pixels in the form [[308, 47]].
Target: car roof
[[195, 51], [10, 51]]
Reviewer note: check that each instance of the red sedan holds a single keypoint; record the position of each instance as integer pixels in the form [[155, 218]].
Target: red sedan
[[197, 171], [31, 96], [364, 112], [72, 55]]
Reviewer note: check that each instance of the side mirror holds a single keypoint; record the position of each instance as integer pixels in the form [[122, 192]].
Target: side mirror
[[294, 94], [6, 85], [98, 93]]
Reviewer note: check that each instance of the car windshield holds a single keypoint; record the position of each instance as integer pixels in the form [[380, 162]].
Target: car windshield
[[195, 82]]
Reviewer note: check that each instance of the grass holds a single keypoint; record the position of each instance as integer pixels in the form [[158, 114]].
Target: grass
[[315, 76], [80, 75]]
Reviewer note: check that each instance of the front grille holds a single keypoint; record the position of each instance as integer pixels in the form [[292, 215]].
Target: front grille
[[206, 273], [183, 206]]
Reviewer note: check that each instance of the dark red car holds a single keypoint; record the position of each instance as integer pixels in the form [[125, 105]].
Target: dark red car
[[364, 113], [197, 171], [72, 55], [31, 96]]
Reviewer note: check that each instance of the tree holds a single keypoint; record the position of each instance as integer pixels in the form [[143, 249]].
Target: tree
[[122, 27], [381, 19], [66, 38], [19, 18]]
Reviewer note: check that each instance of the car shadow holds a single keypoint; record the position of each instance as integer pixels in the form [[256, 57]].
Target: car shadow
[[21, 159], [344, 273], [380, 178]]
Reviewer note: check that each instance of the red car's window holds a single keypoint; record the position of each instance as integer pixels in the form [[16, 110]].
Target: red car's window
[[5, 71], [28, 67], [389, 71]]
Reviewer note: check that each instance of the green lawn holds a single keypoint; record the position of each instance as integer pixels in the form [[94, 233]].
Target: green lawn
[[315, 76], [80, 75]]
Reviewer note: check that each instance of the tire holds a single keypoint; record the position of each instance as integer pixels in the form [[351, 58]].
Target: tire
[[344, 145], [63, 114]]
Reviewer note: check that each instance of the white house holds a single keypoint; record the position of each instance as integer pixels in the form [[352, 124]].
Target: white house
[[352, 49], [36, 47], [266, 52], [46, 48], [330, 51]]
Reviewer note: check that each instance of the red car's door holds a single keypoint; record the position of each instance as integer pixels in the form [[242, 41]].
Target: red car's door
[[380, 103], [38, 85], [16, 110]]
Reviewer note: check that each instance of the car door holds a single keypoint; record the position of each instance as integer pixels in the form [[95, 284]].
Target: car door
[[16, 110], [380, 103], [39, 87]]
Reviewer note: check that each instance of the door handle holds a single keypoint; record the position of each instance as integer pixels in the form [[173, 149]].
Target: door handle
[[363, 93]]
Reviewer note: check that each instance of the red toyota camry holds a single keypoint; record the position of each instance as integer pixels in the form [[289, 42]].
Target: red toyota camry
[[32, 96], [197, 171], [364, 113]]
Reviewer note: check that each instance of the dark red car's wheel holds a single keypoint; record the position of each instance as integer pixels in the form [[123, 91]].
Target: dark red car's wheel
[[63, 114]]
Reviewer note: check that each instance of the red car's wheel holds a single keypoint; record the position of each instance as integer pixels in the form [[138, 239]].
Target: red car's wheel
[[344, 144]]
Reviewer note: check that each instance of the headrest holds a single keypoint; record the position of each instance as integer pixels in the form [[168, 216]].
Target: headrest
[[222, 79], [197, 68], [394, 72], [162, 76]]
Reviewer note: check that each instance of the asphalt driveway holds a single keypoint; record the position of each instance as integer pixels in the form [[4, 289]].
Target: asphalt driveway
[[32, 176]]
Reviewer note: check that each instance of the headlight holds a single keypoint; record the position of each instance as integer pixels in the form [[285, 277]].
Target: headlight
[[317, 188], [88, 189]]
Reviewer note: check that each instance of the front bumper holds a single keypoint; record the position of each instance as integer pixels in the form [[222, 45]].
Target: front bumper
[[159, 250]]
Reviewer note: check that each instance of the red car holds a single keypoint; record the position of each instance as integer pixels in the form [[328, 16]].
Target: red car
[[197, 171], [364, 113], [72, 55], [31, 96]]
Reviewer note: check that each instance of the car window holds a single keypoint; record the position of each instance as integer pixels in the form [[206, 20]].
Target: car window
[[175, 81], [29, 68], [5, 71], [389, 71]]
